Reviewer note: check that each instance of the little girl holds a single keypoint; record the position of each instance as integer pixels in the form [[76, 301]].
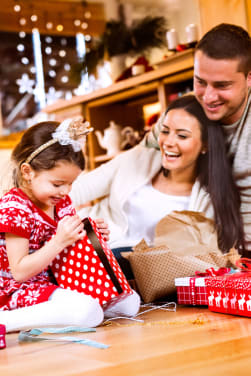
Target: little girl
[[48, 159]]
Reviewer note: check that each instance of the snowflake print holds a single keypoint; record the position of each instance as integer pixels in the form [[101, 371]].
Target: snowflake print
[[25, 84], [13, 302], [31, 296], [20, 215], [4, 218], [21, 221], [37, 232]]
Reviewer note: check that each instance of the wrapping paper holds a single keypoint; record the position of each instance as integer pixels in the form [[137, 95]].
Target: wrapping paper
[[191, 290], [230, 294], [184, 243]]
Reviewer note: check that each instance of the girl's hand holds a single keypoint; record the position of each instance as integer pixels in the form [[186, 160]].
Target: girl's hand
[[103, 228], [24, 265], [69, 230]]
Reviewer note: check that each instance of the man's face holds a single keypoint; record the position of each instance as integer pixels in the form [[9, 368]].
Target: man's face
[[220, 88]]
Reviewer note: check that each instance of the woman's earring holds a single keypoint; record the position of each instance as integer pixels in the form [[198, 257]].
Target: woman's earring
[[203, 152]]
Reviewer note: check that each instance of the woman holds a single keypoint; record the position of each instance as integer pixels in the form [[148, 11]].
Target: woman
[[143, 185]]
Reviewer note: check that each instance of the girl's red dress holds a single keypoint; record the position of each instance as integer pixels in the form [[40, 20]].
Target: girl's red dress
[[19, 216]]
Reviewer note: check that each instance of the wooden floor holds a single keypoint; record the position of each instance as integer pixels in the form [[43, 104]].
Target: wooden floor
[[190, 341]]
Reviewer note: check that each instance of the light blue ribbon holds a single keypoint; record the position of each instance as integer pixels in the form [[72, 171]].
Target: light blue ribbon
[[32, 336], [65, 329]]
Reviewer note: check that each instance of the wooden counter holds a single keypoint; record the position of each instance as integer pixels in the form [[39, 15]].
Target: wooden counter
[[190, 341]]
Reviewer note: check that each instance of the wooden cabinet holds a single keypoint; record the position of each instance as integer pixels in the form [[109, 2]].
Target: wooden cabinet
[[124, 101]]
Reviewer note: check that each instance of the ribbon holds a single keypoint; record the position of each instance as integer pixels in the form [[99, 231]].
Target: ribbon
[[211, 272], [244, 264], [32, 336]]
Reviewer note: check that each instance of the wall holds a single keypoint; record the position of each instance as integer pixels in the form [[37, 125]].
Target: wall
[[248, 8], [218, 11]]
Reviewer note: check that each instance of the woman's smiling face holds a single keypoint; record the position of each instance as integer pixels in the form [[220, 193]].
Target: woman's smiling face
[[180, 141]]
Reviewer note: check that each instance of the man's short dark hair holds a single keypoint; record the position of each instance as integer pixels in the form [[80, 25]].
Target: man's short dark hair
[[227, 41]]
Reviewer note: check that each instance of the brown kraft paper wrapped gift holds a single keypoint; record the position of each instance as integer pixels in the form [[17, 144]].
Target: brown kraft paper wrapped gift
[[185, 242]]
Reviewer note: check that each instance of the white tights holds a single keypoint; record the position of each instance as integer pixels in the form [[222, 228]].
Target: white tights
[[66, 308]]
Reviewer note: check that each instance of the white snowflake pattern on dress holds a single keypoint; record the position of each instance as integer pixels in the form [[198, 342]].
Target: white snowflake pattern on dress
[[24, 218], [21, 222], [3, 218], [32, 296]]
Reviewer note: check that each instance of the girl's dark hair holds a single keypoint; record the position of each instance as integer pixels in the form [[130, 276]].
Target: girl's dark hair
[[214, 173], [32, 139]]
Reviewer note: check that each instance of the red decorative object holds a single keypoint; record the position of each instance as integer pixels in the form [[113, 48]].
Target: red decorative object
[[181, 47], [89, 266], [152, 119], [192, 290], [2, 337], [128, 72], [231, 293]]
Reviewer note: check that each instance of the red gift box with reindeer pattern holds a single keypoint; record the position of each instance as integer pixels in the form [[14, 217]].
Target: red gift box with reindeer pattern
[[192, 290], [231, 293]]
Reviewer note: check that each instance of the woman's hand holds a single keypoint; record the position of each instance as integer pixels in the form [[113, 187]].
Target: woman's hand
[[103, 228]]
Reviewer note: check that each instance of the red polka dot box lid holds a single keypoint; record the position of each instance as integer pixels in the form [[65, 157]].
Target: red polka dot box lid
[[89, 266]]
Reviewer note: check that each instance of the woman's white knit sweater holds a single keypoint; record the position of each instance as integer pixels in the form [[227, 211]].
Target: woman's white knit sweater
[[117, 180]]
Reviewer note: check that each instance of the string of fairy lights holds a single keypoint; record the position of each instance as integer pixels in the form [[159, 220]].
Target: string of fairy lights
[[54, 54]]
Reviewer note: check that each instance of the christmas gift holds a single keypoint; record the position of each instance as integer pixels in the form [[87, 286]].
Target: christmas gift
[[192, 290], [231, 293], [184, 243], [89, 266]]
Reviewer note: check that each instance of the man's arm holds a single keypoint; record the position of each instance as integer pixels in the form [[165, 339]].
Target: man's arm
[[151, 138]]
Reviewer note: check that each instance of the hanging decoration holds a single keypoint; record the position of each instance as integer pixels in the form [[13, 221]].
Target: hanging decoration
[[25, 84], [118, 38], [40, 86], [52, 95], [21, 72], [50, 53]]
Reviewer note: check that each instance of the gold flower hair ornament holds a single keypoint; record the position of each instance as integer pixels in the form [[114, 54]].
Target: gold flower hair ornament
[[70, 132]]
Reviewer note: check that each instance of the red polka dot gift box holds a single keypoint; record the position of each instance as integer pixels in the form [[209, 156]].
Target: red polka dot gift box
[[89, 266]]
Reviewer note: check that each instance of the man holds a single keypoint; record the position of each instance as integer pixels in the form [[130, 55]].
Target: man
[[222, 85]]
